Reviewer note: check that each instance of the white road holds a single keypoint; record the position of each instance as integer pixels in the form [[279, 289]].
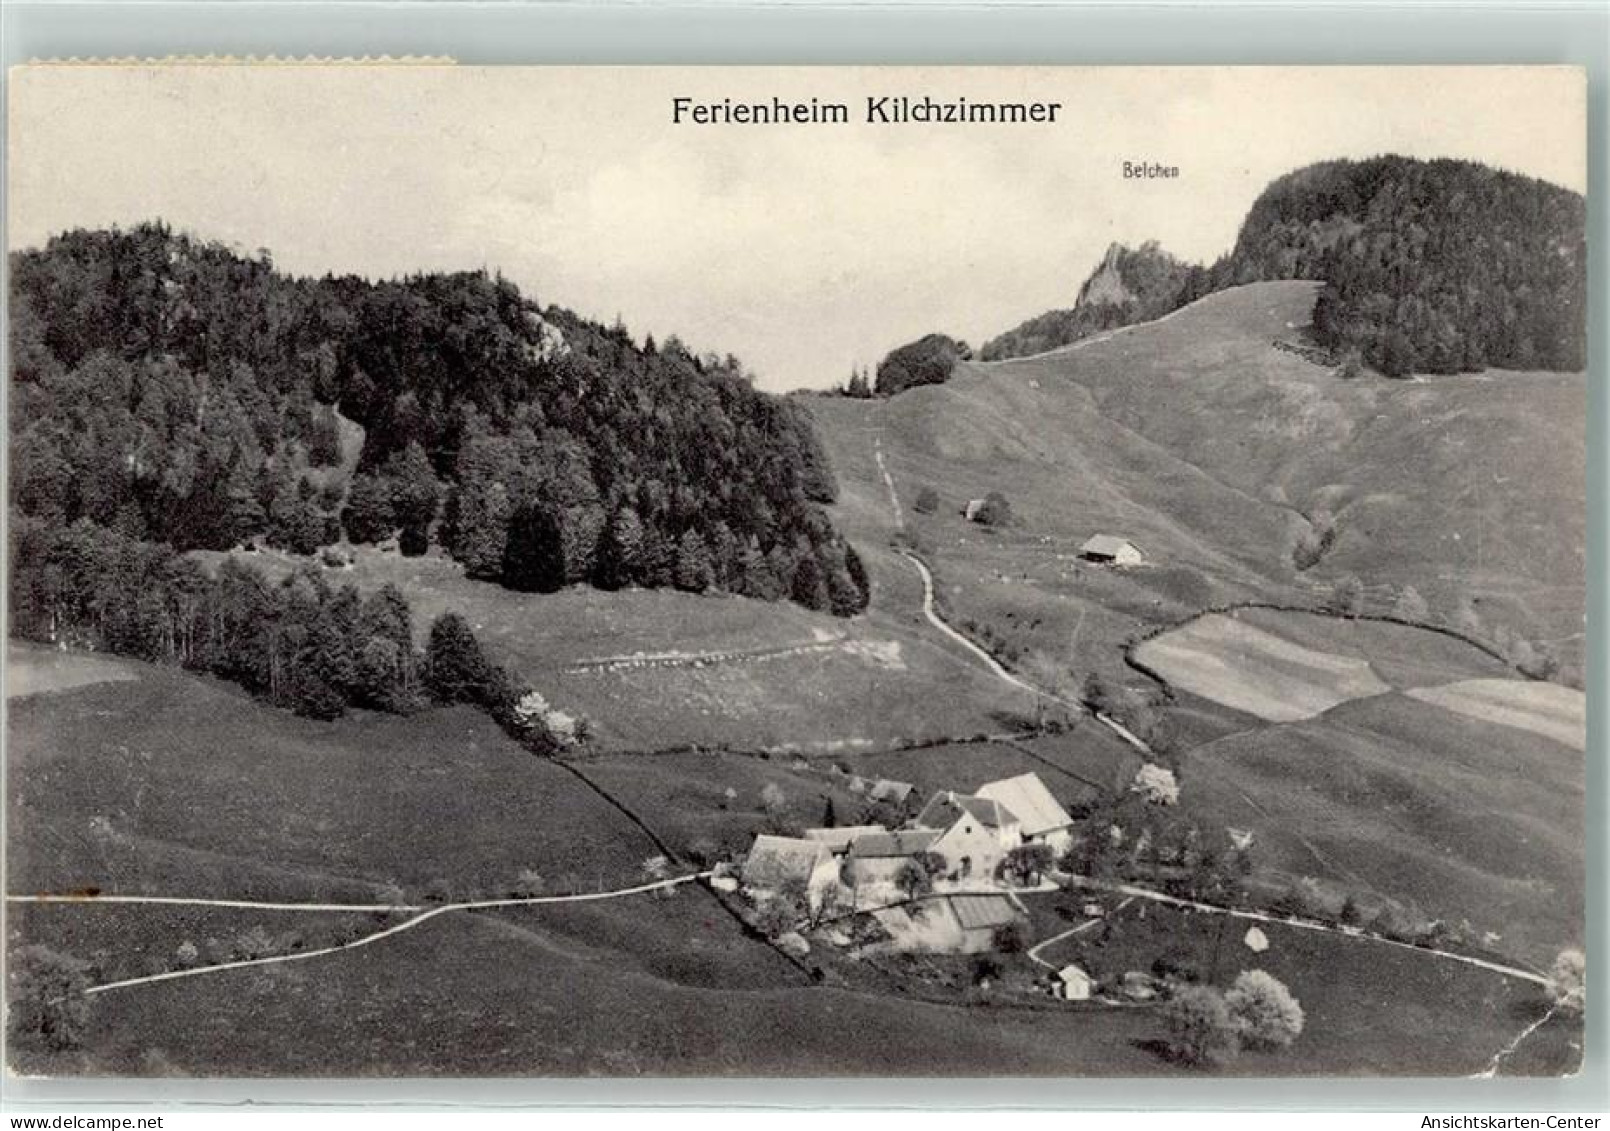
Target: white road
[[984, 657], [303, 956], [1311, 925]]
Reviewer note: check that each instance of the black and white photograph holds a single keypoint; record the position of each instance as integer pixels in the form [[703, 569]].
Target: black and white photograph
[[732, 572]]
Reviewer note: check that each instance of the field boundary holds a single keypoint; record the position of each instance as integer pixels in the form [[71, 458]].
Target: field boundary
[[1155, 631]]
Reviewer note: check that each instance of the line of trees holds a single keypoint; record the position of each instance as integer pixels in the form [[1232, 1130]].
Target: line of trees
[[180, 392], [301, 643]]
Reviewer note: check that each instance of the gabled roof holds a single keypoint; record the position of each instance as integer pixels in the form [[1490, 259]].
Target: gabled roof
[[1073, 974], [1030, 801], [881, 845], [774, 860], [839, 837], [886, 790], [945, 808], [1107, 545], [983, 911]]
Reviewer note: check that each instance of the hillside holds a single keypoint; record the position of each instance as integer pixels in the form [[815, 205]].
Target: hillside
[[1430, 267], [1200, 439], [181, 392], [1460, 488]]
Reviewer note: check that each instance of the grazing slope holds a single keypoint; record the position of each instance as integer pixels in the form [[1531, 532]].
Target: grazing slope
[[1459, 487], [1209, 447]]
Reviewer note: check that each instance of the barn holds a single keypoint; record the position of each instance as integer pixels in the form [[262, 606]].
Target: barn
[[775, 863], [876, 858], [1042, 819], [1109, 549]]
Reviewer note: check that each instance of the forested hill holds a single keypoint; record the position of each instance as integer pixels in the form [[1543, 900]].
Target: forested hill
[[1431, 266], [180, 392], [1130, 285]]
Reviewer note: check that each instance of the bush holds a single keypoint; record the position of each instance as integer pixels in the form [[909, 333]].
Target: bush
[[1011, 938], [1568, 980], [1265, 1013], [1346, 597], [528, 884], [47, 1006], [996, 511], [1177, 965], [1199, 1028]]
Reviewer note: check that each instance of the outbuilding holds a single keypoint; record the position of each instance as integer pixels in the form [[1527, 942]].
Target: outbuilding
[[1072, 984], [1109, 549]]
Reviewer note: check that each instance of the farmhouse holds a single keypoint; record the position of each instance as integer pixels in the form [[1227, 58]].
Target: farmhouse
[[1072, 984], [776, 863], [975, 833], [1112, 550], [1042, 819], [876, 858], [970, 511]]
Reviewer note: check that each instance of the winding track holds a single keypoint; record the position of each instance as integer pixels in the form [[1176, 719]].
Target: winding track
[[302, 956]]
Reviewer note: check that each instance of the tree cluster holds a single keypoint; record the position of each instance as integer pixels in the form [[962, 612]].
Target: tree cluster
[[301, 643], [1207, 1026], [926, 361], [180, 392]]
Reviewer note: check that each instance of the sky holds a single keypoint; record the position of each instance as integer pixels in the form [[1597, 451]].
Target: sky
[[805, 250]]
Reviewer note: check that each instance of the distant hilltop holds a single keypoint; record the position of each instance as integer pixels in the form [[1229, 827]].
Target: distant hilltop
[[1430, 266]]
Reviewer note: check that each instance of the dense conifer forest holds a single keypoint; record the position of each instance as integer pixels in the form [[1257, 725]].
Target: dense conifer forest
[[1430, 267], [179, 393]]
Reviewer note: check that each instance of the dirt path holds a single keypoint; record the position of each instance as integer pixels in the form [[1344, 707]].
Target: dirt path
[[888, 481], [186, 901], [983, 657], [366, 940], [1033, 953]]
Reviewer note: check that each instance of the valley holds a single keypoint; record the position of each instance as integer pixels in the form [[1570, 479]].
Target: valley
[[1374, 762]]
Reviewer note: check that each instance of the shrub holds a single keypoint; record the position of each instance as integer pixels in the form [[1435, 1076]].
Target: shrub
[[1265, 1013], [1198, 1026], [996, 511], [1411, 606], [1346, 596], [986, 969], [528, 884], [776, 917], [254, 943], [1177, 965], [1568, 980], [1010, 938], [1352, 365], [47, 1005]]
